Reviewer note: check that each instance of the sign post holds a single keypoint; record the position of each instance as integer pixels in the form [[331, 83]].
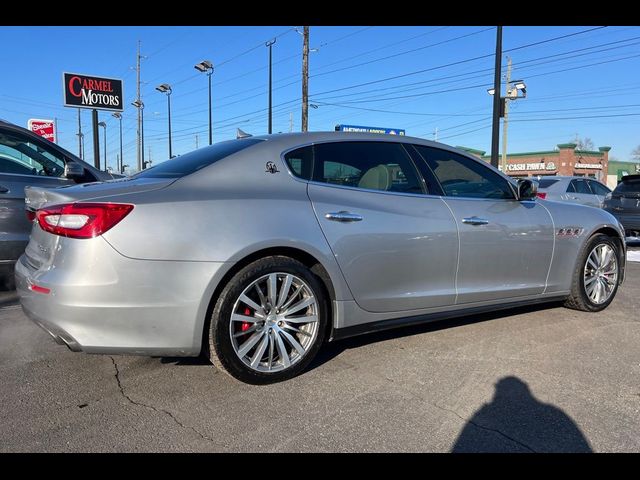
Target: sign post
[[95, 93]]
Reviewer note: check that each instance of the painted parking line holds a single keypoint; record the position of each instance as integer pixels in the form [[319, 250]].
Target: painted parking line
[[633, 255]]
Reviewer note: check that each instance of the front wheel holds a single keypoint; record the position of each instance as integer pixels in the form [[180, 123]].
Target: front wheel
[[269, 321], [595, 281]]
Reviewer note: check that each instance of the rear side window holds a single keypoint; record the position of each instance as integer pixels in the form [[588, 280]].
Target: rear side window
[[382, 166], [196, 160], [579, 186], [546, 183], [300, 161]]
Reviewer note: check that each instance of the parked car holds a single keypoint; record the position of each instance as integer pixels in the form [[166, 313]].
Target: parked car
[[28, 159], [257, 250], [583, 190], [624, 204]]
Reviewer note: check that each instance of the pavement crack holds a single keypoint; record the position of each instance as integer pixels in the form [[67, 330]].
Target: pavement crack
[[151, 407], [482, 427]]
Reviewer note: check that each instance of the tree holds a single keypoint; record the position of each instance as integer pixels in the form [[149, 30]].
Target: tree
[[584, 143], [635, 153]]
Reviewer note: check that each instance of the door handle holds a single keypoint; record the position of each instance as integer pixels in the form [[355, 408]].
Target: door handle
[[475, 221], [3, 189], [343, 216]]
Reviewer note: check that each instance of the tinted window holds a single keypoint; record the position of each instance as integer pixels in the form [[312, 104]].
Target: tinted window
[[463, 177], [300, 162], [196, 160], [369, 165], [630, 186], [598, 188], [546, 183], [579, 186], [19, 154]]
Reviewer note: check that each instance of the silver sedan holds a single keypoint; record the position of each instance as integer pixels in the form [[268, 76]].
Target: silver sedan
[[258, 250]]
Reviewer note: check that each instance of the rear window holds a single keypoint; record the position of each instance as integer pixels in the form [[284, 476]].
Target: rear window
[[628, 186], [196, 160], [546, 183]]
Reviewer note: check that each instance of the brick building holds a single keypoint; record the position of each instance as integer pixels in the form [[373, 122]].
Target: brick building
[[565, 160]]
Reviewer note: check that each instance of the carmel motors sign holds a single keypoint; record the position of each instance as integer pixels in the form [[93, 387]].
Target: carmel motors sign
[[88, 91]]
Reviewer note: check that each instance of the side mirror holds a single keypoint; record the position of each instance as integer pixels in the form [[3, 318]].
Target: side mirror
[[527, 189], [73, 171]]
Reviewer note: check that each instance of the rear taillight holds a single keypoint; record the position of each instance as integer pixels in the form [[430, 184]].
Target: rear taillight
[[542, 195], [81, 220]]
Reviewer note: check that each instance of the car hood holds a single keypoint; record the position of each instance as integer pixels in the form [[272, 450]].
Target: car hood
[[37, 197]]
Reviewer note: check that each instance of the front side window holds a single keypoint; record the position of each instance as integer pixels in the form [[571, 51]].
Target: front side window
[[460, 176], [20, 155], [382, 166]]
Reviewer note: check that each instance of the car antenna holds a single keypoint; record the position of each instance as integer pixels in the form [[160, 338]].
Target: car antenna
[[241, 134]]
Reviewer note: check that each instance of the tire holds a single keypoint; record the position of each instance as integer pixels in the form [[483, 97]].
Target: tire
[[273, 356], [580, 298]]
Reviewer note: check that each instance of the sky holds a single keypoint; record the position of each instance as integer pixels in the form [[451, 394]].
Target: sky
[[582, 81]]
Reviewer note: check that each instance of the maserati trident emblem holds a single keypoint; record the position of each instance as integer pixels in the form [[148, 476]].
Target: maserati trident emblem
[[272, 168]]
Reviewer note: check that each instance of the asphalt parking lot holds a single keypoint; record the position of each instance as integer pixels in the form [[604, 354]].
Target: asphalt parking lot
[[532, 379]]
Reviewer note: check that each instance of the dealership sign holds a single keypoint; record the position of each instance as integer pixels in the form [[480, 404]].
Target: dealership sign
[[44, 128], [357, 128], [88, 91]]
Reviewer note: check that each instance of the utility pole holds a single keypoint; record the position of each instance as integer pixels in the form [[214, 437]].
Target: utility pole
[[139, 148], [435, 135], [55, 130], [270, 45], [290, 122], [79, 135], [505, 123], [196, 141], [305, 80], [497, 100]]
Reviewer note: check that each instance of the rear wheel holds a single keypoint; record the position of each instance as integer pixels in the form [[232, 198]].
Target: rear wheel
[[269, 321], [595, 281]]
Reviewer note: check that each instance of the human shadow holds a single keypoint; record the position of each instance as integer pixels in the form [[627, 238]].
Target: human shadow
[[515, 421]]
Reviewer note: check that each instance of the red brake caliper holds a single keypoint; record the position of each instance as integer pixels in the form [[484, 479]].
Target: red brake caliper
[[244, 326]]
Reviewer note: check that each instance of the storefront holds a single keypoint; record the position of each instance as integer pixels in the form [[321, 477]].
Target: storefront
[[565, 160]]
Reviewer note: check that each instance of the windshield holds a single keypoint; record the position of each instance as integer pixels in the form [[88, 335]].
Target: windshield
[[630, 186], [196, 160]]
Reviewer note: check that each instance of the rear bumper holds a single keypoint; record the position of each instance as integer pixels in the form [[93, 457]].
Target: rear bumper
[[630, 222], [102, 302]]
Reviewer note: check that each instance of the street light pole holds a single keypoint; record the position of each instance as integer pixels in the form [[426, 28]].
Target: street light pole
[[270, 45], [206, 66], [104, 125], [497, 99], [121, 160], [166, 88], [139, 104]]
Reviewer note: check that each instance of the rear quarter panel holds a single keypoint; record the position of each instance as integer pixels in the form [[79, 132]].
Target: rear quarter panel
[[224, 213]]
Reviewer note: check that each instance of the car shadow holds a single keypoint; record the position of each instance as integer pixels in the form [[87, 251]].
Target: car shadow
[[333, 349]]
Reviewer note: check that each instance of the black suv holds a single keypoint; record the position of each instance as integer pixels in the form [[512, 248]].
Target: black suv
[[624, 204], [28, 159]]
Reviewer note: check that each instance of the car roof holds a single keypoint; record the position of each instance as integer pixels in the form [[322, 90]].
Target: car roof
[[630, 178]]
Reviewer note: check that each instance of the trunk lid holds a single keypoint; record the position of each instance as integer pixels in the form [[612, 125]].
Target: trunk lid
[[37, 197]]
